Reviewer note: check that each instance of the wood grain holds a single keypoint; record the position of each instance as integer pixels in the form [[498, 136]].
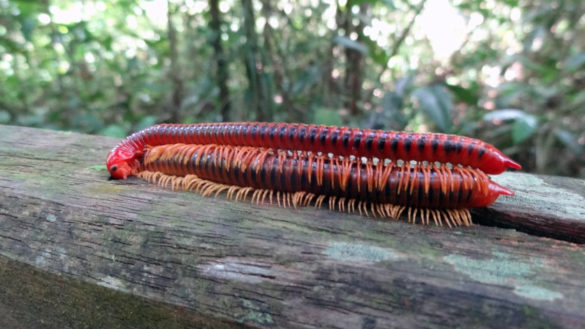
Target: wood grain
[[262, 266]]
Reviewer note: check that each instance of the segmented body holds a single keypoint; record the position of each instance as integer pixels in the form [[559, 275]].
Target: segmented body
[[381, 144], [426, 186]]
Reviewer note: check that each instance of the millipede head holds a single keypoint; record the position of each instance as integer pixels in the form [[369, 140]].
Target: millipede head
[[121, 163]]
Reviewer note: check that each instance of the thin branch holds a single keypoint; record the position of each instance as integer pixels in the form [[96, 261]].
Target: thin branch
[[175, 75], [222, 65], [398, 43]]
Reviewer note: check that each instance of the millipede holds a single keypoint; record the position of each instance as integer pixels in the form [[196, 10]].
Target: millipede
[[430, 177]]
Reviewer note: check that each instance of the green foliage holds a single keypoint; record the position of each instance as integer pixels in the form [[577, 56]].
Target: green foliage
[[575, 62], [113, 67], [325, 116], [469, 95], [351, 44], [523, 128], [436, 104]]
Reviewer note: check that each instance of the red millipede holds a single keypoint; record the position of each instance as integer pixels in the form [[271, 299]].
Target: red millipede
[[343, 141], [424, 191], [299, 164]]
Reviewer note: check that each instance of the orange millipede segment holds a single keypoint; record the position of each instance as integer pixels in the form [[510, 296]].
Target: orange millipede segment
[[341, 141]]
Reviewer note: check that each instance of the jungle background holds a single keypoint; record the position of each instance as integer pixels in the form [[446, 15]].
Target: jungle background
[[510, 72]]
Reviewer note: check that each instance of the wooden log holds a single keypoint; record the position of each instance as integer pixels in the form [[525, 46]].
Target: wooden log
[[30, 298], [195, 260], [543, 205]]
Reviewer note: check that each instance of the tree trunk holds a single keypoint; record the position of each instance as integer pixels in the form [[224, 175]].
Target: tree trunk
[[278, 66], [396, 46], [354, 59], [66, 114], [259, 97], [174, 73], [222, 65]]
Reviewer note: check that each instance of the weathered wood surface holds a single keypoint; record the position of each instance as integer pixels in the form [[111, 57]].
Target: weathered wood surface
[[203, 260]]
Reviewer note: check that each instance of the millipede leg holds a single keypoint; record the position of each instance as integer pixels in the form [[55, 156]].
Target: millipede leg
[[449, 217]]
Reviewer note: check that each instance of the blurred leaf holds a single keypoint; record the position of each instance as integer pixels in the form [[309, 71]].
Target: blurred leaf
[[569, 140], [348, 43], [86, 122], [28, 7], [190, 101], [27, 27], [388, 3], [326, 116], [10, 45], [466, 95], [548, 70], [511, 91], [376, 53], [524, 123], [146, 122], [4, 116], [306, 79], [114, 131], [435, 102], [578, 100], [392, 105], [403, 84], [392, 115], [33, 120], [576, 61], [504, 114], [523, 128]]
